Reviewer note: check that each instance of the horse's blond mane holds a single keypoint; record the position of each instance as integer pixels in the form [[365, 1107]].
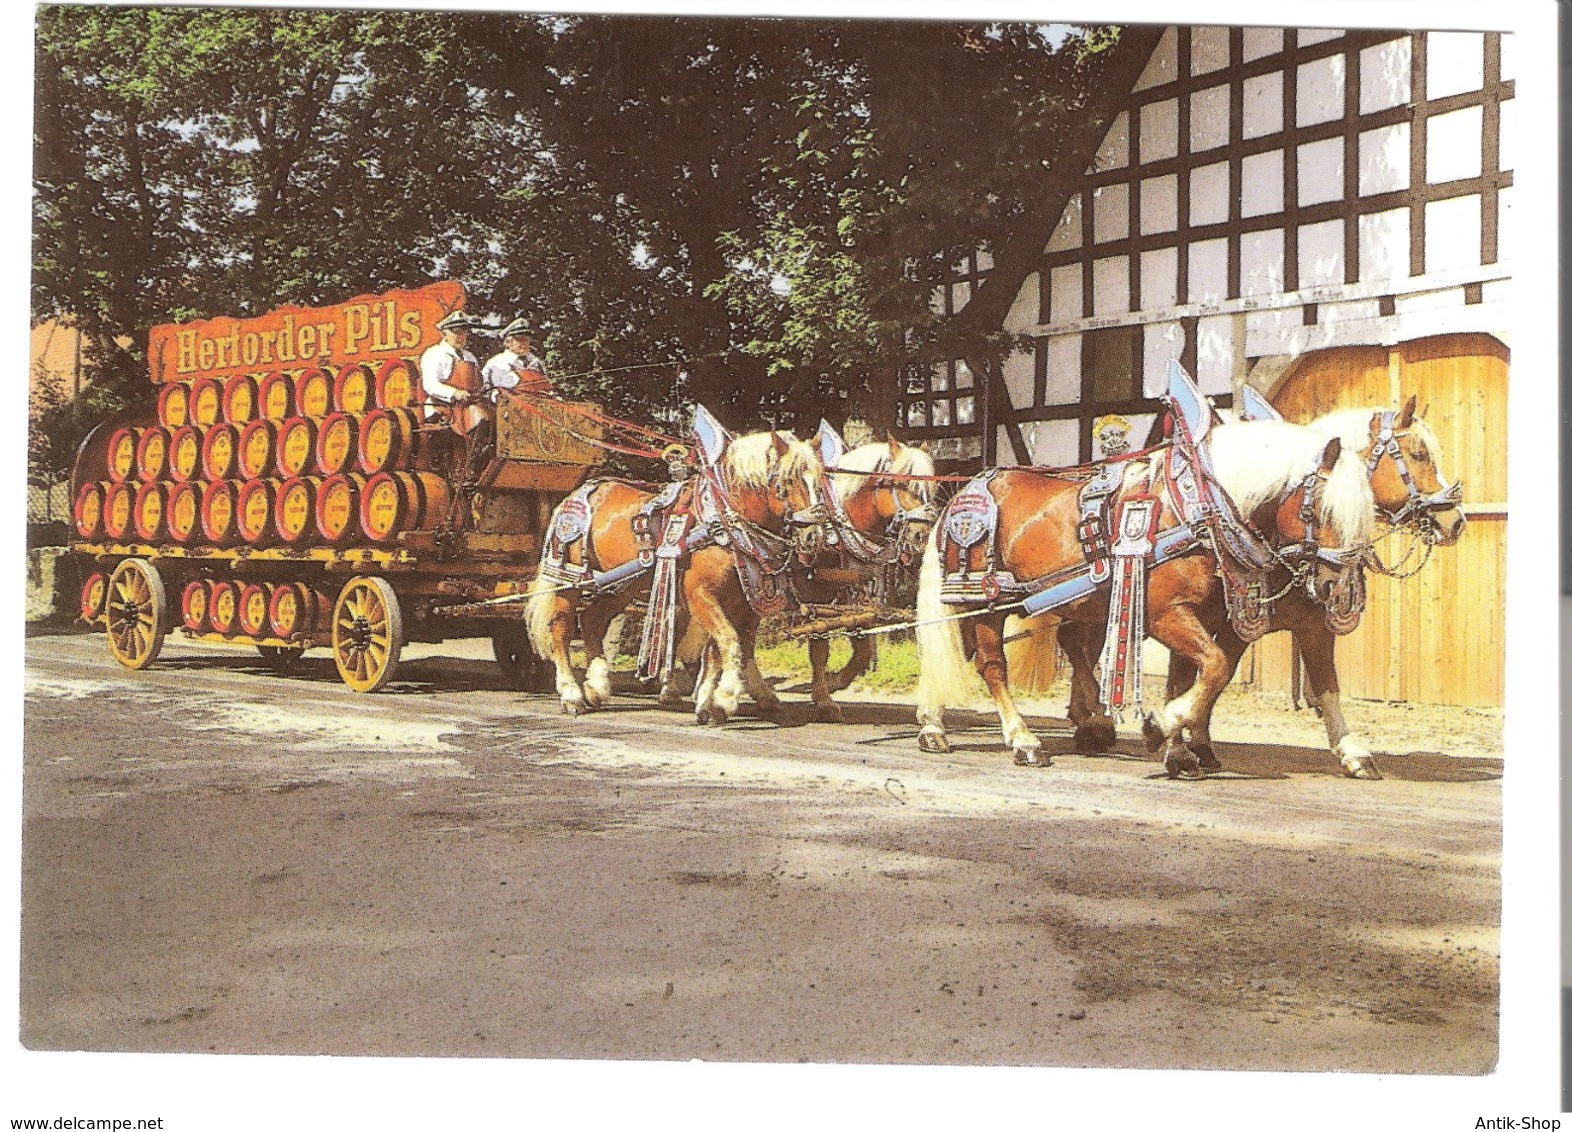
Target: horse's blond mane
[[1258, 461], [751, 460], [906, 461]]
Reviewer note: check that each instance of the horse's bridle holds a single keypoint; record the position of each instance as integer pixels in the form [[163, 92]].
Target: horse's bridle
[[864, 547], [1301, 556], [1420, 509]]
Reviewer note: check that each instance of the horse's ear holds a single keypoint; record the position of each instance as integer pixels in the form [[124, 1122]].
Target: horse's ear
[[1375, 425], [895, 446], [925, 446], [1406, 417], [816, 442], [779, 444], [1334, 449]]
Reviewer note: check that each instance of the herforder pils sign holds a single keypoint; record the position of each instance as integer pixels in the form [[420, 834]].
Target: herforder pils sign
[[369, 327]]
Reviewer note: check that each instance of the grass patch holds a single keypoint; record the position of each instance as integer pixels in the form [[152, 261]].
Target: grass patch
[[894, 663]]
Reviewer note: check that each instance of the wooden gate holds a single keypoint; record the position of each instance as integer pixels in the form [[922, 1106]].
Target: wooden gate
[[1438, 637]]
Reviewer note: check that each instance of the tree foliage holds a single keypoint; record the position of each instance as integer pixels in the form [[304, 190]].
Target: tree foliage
[[762, 206]]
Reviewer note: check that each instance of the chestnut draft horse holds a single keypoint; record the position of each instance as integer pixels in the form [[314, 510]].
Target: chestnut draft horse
[[1402, 459], [880, 514], [754, 511], [1299, 491]]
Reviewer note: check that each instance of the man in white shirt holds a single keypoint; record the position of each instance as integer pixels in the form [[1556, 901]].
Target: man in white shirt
[[517, 367], [449, 373]]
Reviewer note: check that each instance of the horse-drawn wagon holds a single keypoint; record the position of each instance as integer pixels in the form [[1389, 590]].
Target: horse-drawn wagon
[[288, 493]]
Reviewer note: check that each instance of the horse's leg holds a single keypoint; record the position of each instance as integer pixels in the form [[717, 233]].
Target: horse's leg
[[1318, 644], [1201, 718], [562, 626], [594, 627], [861, 660], [1094, 730], [825, 709], [725, 647], [1178, 627], [764, 696], [690, 656], [704, 685], [991, 666]]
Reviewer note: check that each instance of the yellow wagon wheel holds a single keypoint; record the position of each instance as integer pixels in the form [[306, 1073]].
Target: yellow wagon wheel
[[136, 613], [368, 633]]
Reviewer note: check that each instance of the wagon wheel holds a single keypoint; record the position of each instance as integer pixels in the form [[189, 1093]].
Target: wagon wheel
[[368, 633], [523, 670], [136, 613], [281, 659]]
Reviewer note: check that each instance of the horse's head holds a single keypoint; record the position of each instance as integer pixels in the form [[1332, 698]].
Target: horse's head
[[776, 482], [1403, 462], [1323, 523], [884, 496]]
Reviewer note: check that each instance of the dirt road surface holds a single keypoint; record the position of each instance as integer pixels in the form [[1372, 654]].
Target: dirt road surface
[[219, 859]]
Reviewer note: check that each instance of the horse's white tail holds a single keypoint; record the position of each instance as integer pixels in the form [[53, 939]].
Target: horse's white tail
[[944, 678], [1033, 658], [539, 612]]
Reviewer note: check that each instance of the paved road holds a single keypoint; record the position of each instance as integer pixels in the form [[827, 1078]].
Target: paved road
[[216, 858]]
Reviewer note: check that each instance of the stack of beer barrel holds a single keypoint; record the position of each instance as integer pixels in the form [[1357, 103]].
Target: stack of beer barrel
[[291, 459]]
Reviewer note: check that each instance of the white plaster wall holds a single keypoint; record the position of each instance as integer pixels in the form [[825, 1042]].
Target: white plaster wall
[[1383, 159], [1261, 42], [1065, 295], [1308, 37], [960, 295], [1110, 213], [984, 260], [1160, 204], [1261, 262], [1111, 285], [1164, 344], [1506, 226], [1064, 370], [1508, 133], [1271, 332], [1208, 280], [1208, 50], [1054, 443], [1321, 254], [1023, 312], [1454, 63], [1159, 278], [1452, 145], [1163, 66], [936, 301], [1429, 301], [1263, 105], [1209, 118], [1159, 130], [1209, 194], [1005, 450], [1508, 56], [1383, 245], [1067, 236], [1261, 183], [1020, 379], [1320, 171], [1452, 233], [1214, 353], [1357, 310], [1386, 75], [1320, 97], [1114, 153]]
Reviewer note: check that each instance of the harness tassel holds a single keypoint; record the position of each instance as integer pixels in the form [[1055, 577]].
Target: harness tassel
[[1122, 641]]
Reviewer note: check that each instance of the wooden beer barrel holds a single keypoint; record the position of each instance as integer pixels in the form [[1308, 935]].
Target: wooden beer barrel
[[395, 440], [119, 501], [338, 437], [276, 396], [296, 446], [255, 452], [151, 507], [185, 454], [252, 612], [194, 601], [183, 513], [220, 446], [219, 518], [174, 405], [398, 384], [240, 399], [206, 404], [122, 453], [152, 454], [295, 510], [223, 607], [354, 390], [314, 393], [297, 608], [394, 502], [87, 510], [254, 512], [338, 507], [95, 591]]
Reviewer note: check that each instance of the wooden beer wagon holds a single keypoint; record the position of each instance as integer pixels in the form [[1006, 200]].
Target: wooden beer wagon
[[288, 494]]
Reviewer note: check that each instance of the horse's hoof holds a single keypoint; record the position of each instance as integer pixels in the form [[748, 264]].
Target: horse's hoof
[[1095, 736], [1361, 768], [933, 742], [1207, 757], [1152, 734], [574, 707], [1182, 764], [1031, 756], [828, 713], [714, 717], [594, 700]]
